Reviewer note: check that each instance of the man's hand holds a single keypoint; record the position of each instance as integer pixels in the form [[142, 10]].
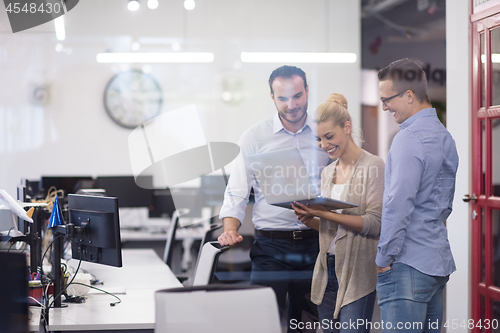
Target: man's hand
[[229, 238], [383, 269], [230, 235]]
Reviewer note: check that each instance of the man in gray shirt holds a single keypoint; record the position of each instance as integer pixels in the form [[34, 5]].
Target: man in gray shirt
[[414, 256]]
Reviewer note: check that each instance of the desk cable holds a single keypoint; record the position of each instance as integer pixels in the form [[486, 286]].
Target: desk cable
[[66, 286], [101, 290]]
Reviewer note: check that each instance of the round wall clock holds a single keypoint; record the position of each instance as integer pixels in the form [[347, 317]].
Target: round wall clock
[[132, 97]]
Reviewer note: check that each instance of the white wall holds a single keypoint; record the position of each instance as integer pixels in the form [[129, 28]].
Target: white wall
[[458, 55], [73, 135]]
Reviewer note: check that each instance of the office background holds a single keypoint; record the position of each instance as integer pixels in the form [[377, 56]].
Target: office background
[[73, 134]]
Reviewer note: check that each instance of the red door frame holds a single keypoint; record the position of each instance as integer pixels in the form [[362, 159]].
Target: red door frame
[[482, 24]]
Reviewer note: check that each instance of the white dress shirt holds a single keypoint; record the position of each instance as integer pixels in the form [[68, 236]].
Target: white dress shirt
[[269, 135]]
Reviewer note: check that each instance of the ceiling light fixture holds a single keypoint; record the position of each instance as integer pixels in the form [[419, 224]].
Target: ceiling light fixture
[[177, 57], [133, 5], [189, 4], [298, 57], [152, 4]]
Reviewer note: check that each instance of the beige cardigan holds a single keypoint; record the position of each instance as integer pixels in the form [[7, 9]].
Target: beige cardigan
[[355, 252]]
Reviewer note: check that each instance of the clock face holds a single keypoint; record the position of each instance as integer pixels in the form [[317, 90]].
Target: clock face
[[131, 98]]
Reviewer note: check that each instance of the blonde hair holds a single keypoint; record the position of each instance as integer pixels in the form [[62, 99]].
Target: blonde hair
[[335, 108]]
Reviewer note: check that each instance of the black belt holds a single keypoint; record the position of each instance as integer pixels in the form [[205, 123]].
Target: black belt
[[292, 234]]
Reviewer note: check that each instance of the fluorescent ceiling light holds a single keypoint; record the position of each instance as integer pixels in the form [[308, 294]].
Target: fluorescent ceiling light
[[309, 57], [155, 57], [60, 31]]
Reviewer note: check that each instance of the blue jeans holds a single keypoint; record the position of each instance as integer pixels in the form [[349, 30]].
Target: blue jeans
[[286, 265], [349, 314], [410, 301]]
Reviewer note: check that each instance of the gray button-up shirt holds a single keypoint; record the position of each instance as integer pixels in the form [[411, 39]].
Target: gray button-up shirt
[[420, 177]]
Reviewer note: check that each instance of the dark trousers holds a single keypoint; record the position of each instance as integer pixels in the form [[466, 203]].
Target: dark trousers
[[286, 265]]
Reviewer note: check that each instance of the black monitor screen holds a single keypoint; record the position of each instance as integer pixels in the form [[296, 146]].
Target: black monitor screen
[[32, 187], [14, 294], [126, 190], [100, 242], [68, 184], [163, 204]]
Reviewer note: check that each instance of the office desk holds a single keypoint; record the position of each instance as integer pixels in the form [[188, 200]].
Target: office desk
[[157, 233], [143, 273]]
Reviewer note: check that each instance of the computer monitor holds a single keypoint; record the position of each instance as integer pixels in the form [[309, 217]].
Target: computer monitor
[[32, 187], [126, 189], [14, 296], [68, 184], [98, 238], [163, 204]]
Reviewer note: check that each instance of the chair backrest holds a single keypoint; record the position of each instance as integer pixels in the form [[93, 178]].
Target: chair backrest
[[235, 265], [169, 245], [218, 309], [205, 267], [207, 236]]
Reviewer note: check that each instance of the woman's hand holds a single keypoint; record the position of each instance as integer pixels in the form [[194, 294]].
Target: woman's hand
[[306, 219], [309, 220], [313, 210]]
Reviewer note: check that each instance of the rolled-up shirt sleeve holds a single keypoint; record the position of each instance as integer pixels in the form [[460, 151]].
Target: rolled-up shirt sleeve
[[237, 191], [241, 181], [404, 169]]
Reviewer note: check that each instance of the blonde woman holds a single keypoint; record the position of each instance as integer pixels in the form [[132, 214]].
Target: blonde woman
[[345, 276]]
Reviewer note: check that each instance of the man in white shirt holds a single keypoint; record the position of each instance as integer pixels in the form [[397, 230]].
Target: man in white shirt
[[285, 250]]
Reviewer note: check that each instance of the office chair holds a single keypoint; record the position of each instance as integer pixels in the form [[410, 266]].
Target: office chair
[[217, 309], [235, 265], [208, 236], [207, 262], [169, 245]]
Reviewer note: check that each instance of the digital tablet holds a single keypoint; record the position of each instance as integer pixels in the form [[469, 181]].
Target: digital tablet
[[323, 201]]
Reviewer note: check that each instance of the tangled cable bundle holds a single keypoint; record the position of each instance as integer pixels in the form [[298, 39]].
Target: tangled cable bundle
[[50, 197]]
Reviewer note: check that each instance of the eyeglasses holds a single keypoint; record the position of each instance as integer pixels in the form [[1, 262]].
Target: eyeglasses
[[388, 99]]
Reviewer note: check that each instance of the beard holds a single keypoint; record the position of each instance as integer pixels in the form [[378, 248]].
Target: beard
[[302, 112]]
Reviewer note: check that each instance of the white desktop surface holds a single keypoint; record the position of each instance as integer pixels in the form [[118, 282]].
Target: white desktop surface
[[157, 231], [34, 315], [142, 274], [154, 233]]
